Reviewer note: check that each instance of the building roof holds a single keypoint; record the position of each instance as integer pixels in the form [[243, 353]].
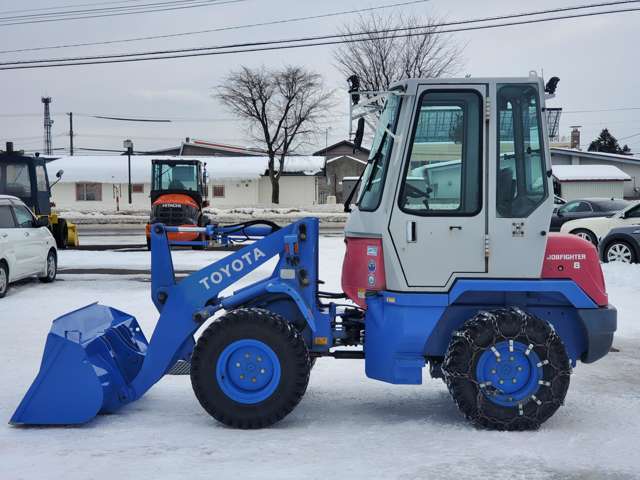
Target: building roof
[[612, 157], [589, 173], [327, 151], [114, 168], [211, 147]]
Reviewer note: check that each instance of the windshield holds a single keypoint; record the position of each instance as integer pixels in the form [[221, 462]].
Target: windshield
[[14, 179], [373, 177], [175, 177]]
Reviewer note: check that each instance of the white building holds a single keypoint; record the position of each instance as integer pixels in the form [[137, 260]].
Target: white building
[[573, 182], [629, 164], [100, 183]]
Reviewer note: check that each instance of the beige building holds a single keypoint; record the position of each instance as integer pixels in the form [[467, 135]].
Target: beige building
[[100, 183]]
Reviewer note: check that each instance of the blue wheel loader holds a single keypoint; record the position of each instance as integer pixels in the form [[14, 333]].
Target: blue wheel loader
[[449, 263]]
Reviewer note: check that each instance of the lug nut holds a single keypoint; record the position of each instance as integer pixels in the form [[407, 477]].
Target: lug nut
[[519, 369], [259, 359], [253, 380], [512, 358], [238, 364], [501, 381], [513, 380], [241, 377], [262, 370], [246, 355]]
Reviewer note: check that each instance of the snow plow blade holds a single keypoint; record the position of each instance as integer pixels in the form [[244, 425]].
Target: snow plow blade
[[90, 358]]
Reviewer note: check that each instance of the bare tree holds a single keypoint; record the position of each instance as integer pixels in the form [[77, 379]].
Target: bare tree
[[384, 58], [281, 107]]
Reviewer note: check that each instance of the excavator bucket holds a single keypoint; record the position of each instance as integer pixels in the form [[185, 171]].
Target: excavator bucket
[[90, 358]]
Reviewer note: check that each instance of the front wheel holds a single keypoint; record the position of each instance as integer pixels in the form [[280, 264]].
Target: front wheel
[[250, 368], [619, 251], [52, 268], [507, 370]]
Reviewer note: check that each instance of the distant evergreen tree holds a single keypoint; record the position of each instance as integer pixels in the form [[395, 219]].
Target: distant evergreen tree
[[608, 143]]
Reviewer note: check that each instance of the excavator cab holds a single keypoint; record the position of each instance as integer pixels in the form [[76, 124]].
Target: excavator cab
[[179, 192]]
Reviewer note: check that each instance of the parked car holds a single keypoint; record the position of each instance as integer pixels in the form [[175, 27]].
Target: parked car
[[27, 248], [585, 208], [594, 229], [622, 244]]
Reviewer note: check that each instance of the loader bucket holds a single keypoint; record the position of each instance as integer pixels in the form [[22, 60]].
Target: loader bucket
[[90, 358]]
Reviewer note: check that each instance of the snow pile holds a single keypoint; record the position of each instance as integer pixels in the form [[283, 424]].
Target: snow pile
[[575, 173], [114, 168], [333, 214]]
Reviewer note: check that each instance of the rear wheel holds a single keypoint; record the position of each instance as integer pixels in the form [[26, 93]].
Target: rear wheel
[[52, 268], [585, 234], [4, 279], [250, 368], [507, 370], [619, 251]]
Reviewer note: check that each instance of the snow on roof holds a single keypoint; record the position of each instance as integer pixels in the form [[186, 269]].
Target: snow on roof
[[575, 173], [114, 169], [604, 155]]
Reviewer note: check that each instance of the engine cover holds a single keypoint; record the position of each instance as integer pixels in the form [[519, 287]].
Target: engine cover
[[571, 257]]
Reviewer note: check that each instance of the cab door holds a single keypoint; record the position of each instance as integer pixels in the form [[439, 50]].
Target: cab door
[[439, 223], [29, 242]]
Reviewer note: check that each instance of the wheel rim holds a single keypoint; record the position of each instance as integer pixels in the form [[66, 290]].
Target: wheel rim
[[3, 280], [619, 252], [248, 371], [508, 373], [51, 266], [584, 236]]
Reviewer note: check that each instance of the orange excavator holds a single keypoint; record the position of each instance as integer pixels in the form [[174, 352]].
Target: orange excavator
[[179, 192]]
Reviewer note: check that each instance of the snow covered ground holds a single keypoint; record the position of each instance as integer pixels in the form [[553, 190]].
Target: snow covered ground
[[347, 426]]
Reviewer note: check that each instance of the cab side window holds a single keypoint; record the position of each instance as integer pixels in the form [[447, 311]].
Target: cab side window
[[522, 182], [23, 216], [6, 217], [443, 176], [634, 212]]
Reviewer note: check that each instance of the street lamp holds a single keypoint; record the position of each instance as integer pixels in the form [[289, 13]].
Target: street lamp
[[128, 144]]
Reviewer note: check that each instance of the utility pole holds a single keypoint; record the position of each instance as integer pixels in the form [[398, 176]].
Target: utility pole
[[48, 123], [70, 133]]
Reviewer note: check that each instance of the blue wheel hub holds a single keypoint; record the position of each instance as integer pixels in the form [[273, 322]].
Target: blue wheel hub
[[509, 373], [248, 371]]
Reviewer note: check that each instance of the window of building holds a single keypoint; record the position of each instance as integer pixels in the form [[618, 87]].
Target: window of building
[[137, 188], [444, 171], [218, 191], [89, 192], [522, 182], [23, 216], [6, 217]]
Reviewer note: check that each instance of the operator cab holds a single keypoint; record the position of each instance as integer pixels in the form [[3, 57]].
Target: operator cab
[[458, 172], [26, 178]]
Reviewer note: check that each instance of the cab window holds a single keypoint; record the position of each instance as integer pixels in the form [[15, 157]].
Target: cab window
[[521, 183], [576, 207], [6, 217], [41, 179], [375, 172], [443, 176], [23, 216]]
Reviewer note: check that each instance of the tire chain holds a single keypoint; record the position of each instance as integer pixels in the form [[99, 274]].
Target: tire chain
[[526, 417]]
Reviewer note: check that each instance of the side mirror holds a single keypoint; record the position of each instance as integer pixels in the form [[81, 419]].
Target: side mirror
[[41, 222], [560, 213], [205, 204], [59, 174]]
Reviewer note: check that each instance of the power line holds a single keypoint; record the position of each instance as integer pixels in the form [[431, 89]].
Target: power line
[[58, 7], [178, 6], [297, 42], [220, 29]]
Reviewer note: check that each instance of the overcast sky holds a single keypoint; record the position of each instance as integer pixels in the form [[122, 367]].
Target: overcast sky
[[596, 59]]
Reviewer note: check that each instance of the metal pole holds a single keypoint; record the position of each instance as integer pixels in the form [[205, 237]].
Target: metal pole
[[129, 151], [70, 133]]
